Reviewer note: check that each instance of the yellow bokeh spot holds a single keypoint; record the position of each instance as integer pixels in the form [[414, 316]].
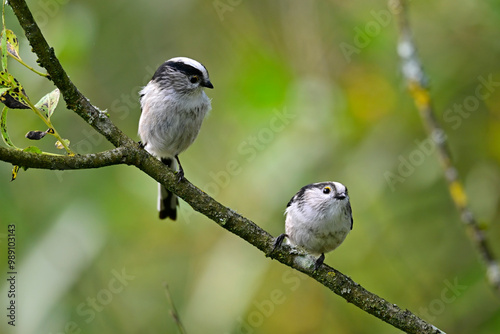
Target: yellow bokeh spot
[[458, 194], [369, 95], [494, 137], [420, 94]]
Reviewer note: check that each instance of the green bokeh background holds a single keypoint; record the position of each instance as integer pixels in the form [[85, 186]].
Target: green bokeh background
[[289, 108]]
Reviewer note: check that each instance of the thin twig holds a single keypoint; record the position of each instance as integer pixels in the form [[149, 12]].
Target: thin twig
[[173, 310], [419, 90]]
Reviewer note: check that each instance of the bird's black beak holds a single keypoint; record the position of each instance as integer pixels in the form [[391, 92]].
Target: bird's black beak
[[207, 84], [340, 196]]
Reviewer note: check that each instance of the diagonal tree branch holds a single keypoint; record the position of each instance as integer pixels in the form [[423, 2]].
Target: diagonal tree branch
[[418, 87], [130, 153], [225, 217], [120, 155]]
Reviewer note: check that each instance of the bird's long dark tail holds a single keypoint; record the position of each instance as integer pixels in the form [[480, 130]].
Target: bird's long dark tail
[[167, 201]]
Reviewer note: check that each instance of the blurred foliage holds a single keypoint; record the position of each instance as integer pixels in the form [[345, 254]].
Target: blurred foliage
[[289, 108]]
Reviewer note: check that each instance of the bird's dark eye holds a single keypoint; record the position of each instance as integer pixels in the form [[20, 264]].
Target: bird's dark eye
[[327, 190], [194, 79]]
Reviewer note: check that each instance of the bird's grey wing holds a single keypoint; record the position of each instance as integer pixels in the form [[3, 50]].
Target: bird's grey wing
[[350, 213]]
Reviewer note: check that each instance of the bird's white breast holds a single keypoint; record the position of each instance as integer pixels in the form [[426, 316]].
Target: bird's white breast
[[317, 233], [170, 121]]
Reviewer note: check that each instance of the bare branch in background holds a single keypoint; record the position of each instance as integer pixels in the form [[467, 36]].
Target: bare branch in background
[[419, 90], [173, 310]]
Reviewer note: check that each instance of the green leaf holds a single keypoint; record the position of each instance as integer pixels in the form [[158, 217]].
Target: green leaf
[[12, 44], [5, 78], [3, 127], [33, 149], [3, 46], [60, 146], [48, 103]]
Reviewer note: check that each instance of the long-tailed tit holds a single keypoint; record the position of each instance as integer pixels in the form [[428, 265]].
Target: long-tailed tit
[[318, 219], [173, 105]]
